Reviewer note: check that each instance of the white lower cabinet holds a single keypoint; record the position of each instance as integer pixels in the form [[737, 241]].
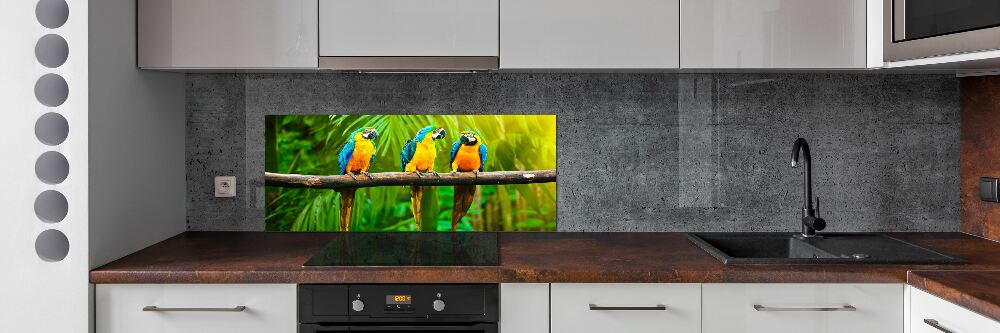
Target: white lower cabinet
[[930, 314], [187, 308], [628, 307], [524, 307], [802, 308], [569, 308]]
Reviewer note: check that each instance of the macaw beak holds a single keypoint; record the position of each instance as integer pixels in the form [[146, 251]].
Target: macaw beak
[[372, 134], [438, 134]]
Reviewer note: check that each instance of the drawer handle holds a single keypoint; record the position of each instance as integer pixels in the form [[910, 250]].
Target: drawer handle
[[934, 323], [769, 308], [595, 307], [159, 309]]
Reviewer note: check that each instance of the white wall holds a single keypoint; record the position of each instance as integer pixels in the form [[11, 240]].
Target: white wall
[[136, 141], [126, 133], [38, 295]]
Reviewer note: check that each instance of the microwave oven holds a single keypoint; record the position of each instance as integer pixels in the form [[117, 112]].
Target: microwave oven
[[915, 29]]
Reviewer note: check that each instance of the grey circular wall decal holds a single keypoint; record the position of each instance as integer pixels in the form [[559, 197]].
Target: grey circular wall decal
[[51, 206], [52, 168], [51, 51], [52, 13], [51, 129], [52, 245], [51, 90]]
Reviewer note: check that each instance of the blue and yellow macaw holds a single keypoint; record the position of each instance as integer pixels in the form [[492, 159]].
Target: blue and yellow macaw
[[356, 157], [418, 156], [468, 154]]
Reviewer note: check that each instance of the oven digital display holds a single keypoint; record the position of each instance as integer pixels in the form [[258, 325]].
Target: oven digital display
[[398, 299]]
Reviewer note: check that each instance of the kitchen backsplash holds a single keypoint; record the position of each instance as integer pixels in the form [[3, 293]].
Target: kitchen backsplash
[[980, 146], [636, 152]]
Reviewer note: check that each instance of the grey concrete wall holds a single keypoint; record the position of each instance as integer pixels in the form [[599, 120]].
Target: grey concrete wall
[[637, 152]]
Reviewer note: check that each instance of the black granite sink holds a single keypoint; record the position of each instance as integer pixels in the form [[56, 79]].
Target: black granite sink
[[832, 248]]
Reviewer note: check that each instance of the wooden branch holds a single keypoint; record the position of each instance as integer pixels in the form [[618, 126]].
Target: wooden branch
[[409, 178]]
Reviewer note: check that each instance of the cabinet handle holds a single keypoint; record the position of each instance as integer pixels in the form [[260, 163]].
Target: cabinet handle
[[159, 309], [595, 307], [769, 308], [934, 323]]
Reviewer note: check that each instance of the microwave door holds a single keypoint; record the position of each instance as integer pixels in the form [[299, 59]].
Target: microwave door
[[915, 29], [917, 19]]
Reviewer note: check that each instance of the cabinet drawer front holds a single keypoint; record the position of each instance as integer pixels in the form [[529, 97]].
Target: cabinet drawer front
[[633, 308], [195, 308], [430, 28], [803, 308], [946, 315]]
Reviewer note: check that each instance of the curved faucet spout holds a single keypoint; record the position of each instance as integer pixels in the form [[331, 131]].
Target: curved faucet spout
[[810, 222], [802, 146]]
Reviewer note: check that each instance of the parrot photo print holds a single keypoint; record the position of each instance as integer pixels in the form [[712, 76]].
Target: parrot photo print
[[410, 173]]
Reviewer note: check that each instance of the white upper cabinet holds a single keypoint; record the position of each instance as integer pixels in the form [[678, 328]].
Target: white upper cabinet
[[589, 34], [178, 34], [409, 28], [779, 34]]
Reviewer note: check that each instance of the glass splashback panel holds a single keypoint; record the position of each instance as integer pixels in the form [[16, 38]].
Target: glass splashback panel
[[386, 173]]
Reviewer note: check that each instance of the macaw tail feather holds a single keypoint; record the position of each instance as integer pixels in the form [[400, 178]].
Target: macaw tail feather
[[346, 206], [416, 197], [463, 200]]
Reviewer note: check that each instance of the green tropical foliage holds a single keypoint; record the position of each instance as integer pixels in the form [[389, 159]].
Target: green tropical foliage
[[310, 144]]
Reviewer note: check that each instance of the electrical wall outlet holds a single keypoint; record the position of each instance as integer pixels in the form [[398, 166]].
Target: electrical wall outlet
[[225, 186], [988, 189]]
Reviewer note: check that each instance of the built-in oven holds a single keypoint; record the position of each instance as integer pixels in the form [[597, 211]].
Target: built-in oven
[[916, 29], [384, 308]]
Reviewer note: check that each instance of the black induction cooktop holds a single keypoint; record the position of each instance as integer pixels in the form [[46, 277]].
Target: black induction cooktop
[[409, 249]]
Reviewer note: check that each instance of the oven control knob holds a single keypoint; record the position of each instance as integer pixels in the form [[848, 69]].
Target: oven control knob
[[438, 305], [358, 305]]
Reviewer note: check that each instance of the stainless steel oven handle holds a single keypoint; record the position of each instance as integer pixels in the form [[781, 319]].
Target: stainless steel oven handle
[[354, 327], [759, 307], [935, 324], [155, 308], [595, 307]]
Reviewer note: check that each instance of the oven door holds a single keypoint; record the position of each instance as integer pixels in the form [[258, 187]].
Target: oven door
[[375, 328], [916, 29]]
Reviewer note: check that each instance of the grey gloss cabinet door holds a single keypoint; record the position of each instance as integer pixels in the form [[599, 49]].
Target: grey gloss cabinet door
[[778, 34], [423, 28], [589, 34], [221, 34]]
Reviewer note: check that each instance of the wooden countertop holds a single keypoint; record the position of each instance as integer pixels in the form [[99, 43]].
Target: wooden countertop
[[978, 291], [270, 257]]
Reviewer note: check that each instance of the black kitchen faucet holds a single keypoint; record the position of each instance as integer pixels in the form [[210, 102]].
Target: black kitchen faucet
[[810, 222]]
